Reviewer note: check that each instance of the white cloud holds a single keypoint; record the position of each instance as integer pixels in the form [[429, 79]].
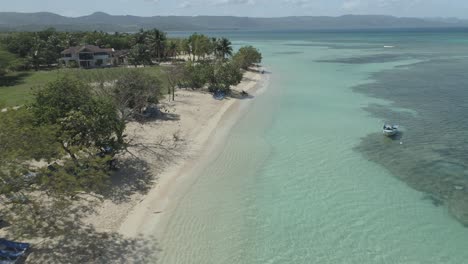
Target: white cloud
[[233, 2], [299, 3], [378, 5], [185, 4], [351, 4]]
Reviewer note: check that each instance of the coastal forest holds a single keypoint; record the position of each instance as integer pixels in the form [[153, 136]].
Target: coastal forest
[[63, 130]]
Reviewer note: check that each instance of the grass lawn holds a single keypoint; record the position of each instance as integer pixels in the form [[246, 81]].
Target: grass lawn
[[17, 88]]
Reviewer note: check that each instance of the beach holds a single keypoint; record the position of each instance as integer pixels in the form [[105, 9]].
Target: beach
[[195, 123], [302, 173]]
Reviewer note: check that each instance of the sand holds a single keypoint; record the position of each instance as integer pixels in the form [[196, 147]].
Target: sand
[[178, 143]]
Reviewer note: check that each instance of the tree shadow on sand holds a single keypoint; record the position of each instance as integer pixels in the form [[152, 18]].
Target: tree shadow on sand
[[85, 245], [66, 239], [137, 175], [133, 176]]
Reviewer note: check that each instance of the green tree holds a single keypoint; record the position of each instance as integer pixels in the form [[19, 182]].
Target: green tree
[[139, 55], [155, 41], [133, 92], [7, 61], [200, 45], [175, 75], [186, 47], [52, 48], [36, 55], [246, 57], [223, 48], [64, 119], [196, 75], [224, 75], [139, 37], [83, 122], [172, 49]]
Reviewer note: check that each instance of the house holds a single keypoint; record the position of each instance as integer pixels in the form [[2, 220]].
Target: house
[[88, 56]]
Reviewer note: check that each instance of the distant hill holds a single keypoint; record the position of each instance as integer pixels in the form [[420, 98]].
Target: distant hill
[[12, 21]]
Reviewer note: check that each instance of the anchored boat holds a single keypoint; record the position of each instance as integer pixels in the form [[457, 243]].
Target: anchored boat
[[390, 130]]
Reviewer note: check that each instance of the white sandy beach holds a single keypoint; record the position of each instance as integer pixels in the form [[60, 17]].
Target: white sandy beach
[[185, 140]]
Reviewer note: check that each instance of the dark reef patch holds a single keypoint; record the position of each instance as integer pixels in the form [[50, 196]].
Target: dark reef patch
[[432, 154]]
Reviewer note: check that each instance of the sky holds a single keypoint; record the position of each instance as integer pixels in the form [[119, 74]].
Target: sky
[[253, 8]]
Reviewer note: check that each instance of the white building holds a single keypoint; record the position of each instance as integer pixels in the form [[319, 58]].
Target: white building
[[88, 56]]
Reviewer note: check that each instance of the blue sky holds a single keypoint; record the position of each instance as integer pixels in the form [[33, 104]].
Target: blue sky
[[263, 8]]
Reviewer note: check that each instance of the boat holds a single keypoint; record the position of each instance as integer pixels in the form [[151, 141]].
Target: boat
[[219, 95], [390, 130]]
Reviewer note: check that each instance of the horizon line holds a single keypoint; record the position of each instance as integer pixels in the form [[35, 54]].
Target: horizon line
[[331, 16]]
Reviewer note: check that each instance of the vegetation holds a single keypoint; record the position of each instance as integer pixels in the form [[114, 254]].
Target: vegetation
[[8, 61], [72, 130], [133, 92], [37, 49], [223, 76], [139, 55], [246, 57], [61, 145], [16, 88], [81, 121], [223, 48]]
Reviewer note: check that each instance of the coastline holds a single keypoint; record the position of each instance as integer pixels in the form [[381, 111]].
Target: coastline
[[147, 214]]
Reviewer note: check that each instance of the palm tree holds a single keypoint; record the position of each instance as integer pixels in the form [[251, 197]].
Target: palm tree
[[156, 42], [172, 49], [140, 37], [224, 48]]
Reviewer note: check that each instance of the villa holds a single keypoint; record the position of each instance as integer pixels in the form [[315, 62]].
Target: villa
[[88, 56]]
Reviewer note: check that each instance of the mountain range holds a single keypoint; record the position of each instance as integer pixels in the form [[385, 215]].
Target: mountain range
[[13, 21]]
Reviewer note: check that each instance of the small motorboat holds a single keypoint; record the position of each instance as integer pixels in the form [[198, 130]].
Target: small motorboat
[[390, 130]]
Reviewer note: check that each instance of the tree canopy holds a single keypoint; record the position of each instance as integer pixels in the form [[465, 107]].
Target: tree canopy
[[70, 129], [247, 56], [7, 61], [134, 91], [82, 120]]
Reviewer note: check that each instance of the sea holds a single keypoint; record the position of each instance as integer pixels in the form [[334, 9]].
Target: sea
[[306, 176]]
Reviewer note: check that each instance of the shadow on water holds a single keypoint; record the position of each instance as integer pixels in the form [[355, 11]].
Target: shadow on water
[[432, 156]]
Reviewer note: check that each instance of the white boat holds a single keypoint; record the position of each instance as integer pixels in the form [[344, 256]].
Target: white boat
[[390, 130]]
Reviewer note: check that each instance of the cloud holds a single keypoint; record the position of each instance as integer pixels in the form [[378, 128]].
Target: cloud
[[351, 4], [152, 1], [299, 3], [234, 2], [376, 5], [185, 4]]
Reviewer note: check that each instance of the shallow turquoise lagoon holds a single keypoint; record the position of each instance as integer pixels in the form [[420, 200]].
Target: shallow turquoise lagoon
[[291, 185]]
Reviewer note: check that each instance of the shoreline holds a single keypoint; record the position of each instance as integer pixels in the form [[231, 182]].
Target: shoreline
[[150, 215]]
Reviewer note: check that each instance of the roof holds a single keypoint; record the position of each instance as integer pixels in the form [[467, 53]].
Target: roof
[[121, 53], [91, 48]]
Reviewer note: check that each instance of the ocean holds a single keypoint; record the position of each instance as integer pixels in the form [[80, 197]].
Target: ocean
[[306, 176]]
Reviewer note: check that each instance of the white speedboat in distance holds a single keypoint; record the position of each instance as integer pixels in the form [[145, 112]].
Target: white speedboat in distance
[[390, 130]]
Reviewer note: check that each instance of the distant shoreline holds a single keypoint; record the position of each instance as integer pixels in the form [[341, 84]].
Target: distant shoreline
[[15, 21]]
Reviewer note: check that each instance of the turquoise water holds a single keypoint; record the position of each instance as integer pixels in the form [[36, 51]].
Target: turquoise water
[[297, 180]]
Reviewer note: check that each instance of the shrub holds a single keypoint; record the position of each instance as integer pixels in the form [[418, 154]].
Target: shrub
[[246, 57]]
